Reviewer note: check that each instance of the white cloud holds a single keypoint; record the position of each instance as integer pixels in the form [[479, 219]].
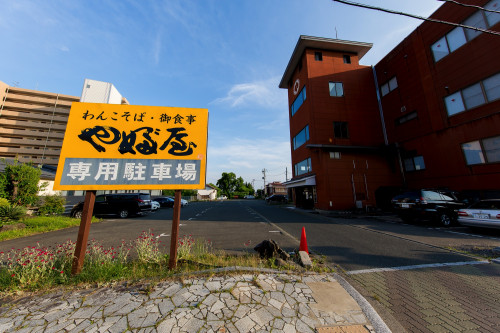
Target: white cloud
[[246, 158], [262, 93], [64, 48], [157, 48]]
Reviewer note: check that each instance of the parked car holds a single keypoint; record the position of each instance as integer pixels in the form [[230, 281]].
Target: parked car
[[277, 198], [484, 213], [222, 197], [155, 205], [165, 202], [121, 204], [249, 197], [184, 202], [428, 204]]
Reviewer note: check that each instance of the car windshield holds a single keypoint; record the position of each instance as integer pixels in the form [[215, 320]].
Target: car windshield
[[144, 197], [409, 195]]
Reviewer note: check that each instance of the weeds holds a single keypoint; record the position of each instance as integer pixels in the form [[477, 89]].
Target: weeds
[[148, 248], [33, 268]]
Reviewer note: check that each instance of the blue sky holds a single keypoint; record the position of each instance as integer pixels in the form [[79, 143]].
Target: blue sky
[[224, 55]]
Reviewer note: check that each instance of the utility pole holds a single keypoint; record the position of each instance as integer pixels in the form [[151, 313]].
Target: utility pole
[[286, 174], [264, 173]]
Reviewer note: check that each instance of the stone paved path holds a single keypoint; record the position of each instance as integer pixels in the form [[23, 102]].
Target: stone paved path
[[230, 303]]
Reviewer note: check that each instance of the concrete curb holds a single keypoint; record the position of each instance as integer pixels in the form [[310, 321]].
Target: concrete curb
[[377, 322]]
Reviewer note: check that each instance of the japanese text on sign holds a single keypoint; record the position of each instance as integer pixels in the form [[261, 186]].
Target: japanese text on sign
[[110, 146]]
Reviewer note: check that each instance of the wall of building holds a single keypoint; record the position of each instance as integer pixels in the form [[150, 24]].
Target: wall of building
[[423, 85], [355, 176], [32, 124]]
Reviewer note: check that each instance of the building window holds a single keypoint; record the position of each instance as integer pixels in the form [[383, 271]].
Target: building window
[[301, 138], [492, 87], [389, 86], [475, 95], [440, 49], [336, 89], [347, 59], [303, 167], [340, 130], [476, 20], [456, 38], [335, 155], [301, 97], [491, 148], [406, 118], [482, 151], [454, 103], [318, 56], [460, 36], [414, 163], [492, 18]]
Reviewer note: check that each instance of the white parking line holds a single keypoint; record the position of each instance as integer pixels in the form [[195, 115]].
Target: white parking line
[[403, 268], [472, 235]]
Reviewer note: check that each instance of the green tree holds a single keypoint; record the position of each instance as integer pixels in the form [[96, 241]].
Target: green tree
[[227, 183], [3, 186], [250, 188], [21, 183], [231, 186]]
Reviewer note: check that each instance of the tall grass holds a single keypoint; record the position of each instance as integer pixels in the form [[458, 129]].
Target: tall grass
[[34, 268]]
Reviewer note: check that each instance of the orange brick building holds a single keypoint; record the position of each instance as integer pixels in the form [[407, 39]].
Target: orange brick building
[[427, 115]]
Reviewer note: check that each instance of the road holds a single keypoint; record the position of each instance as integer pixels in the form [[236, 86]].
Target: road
[[408, 272], [353, 244]]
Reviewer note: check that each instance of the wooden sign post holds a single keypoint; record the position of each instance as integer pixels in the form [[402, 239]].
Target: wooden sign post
[[174, 235], [83, 232]]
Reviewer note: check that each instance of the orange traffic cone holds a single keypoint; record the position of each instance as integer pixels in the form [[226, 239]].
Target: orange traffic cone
[[303, 241]]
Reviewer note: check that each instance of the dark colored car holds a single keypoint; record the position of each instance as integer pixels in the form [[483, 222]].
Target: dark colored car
[[428, 204], [165, 202], [121, 204], [277, 198]]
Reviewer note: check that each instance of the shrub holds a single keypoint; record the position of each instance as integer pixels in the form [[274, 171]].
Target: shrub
[[4, 202], [11, 213], [20, 183], [3, 185], [52, 205]]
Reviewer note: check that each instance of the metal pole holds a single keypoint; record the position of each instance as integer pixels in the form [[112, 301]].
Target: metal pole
[[83, 232], [174, 235]]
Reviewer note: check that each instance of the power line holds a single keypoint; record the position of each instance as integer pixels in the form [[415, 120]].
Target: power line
[[417, 17], [473, 6]]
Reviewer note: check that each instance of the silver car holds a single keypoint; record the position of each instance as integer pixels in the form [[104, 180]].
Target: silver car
[[484, 214]]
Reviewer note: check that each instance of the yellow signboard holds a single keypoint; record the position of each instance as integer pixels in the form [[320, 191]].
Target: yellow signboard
[[130, 147]]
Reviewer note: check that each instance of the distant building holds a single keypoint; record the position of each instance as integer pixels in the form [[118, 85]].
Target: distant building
[[275, 188], [209, 193], [427, 115], [32, 124]]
